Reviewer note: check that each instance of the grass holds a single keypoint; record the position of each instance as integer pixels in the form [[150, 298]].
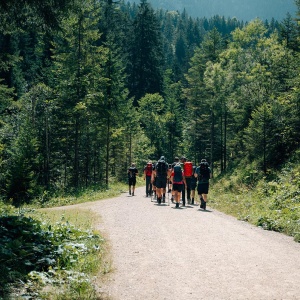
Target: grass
[[85, 257], [53, 253], [273, 204], [86, 195]]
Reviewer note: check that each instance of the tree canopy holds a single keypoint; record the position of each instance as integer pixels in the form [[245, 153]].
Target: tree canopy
[[87, 87]]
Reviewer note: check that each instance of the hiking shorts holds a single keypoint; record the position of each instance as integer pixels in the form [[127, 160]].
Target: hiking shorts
[[132, 181], [203, 188], [161, 182], [193, 185], [178, 187]]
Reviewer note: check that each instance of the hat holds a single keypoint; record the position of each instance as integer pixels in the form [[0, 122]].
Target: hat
[[162, 158]]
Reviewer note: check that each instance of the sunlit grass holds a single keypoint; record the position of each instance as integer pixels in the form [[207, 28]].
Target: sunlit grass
[[272, 204], [87, 195]]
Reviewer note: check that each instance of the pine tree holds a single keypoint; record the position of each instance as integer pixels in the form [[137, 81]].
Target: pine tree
[[79, 84], [146, 54]]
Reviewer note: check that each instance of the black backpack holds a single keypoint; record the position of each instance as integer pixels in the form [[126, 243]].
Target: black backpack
[[131, 172], [204, 170], [161, 168]]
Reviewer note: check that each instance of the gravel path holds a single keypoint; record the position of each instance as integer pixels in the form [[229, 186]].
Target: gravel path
[[161, 253]]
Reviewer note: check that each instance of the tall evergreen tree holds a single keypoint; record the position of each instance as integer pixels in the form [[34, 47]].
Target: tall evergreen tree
[[146, 54], [79, 77]]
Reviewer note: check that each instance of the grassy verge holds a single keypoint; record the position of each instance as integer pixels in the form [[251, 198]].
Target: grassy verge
[[273, 204], [53, 253], [86, 195]]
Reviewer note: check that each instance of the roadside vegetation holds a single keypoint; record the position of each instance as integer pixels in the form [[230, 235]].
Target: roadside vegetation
[[271, 202], [52, 253]]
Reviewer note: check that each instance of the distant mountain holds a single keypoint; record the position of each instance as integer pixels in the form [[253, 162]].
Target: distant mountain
[[243, 10]]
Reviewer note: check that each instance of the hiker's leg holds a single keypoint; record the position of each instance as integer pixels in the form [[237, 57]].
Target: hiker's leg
[[183, 196], [148, 179], [193, 196], [188, 189]]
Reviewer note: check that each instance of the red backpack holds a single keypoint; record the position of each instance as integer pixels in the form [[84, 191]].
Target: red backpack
[[188, 169]]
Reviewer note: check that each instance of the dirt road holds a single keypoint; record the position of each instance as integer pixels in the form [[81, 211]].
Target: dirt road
[[182, 254]]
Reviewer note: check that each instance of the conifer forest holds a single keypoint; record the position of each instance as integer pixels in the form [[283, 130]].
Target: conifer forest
[[89, 86]]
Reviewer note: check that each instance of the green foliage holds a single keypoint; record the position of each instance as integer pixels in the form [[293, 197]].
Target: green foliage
[[152, 114], [272, 202], [80, 196], [32, 13], [230, 93], [146, 54], [44, 254]]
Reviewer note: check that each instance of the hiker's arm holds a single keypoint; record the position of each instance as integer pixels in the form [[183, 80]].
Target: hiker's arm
[[152, 176]]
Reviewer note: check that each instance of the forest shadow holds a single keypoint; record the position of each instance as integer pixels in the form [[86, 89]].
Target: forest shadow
[[24, 247]]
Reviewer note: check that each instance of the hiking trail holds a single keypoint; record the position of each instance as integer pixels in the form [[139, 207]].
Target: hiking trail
[[159, 252]]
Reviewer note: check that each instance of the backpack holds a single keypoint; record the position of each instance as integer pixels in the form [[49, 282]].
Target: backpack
[[177, 173], [204, 170], [161, 168], [131, 172], [188, 169], [149, 169]]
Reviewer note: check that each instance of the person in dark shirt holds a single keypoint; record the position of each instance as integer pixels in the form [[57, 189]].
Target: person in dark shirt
[[160, 173], [132, 172], [203, 174]]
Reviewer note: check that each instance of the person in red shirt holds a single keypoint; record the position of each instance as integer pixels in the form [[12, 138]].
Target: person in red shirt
[[147, 176]]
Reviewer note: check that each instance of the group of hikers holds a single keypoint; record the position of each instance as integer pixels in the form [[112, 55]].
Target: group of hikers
[[181, 179]]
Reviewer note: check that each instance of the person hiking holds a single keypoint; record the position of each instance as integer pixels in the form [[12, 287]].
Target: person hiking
[[160, 173], [193, 185], [203, 174], [182, 163], [188, 174], [147, 176], [178, 181], [176, 161], [169, 183], [132, 172]]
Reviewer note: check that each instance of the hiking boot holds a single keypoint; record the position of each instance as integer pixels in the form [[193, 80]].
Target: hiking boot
[[159, 200], [193, 201], [203, 203], [129, 192], [177, 205], [132, 193]]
